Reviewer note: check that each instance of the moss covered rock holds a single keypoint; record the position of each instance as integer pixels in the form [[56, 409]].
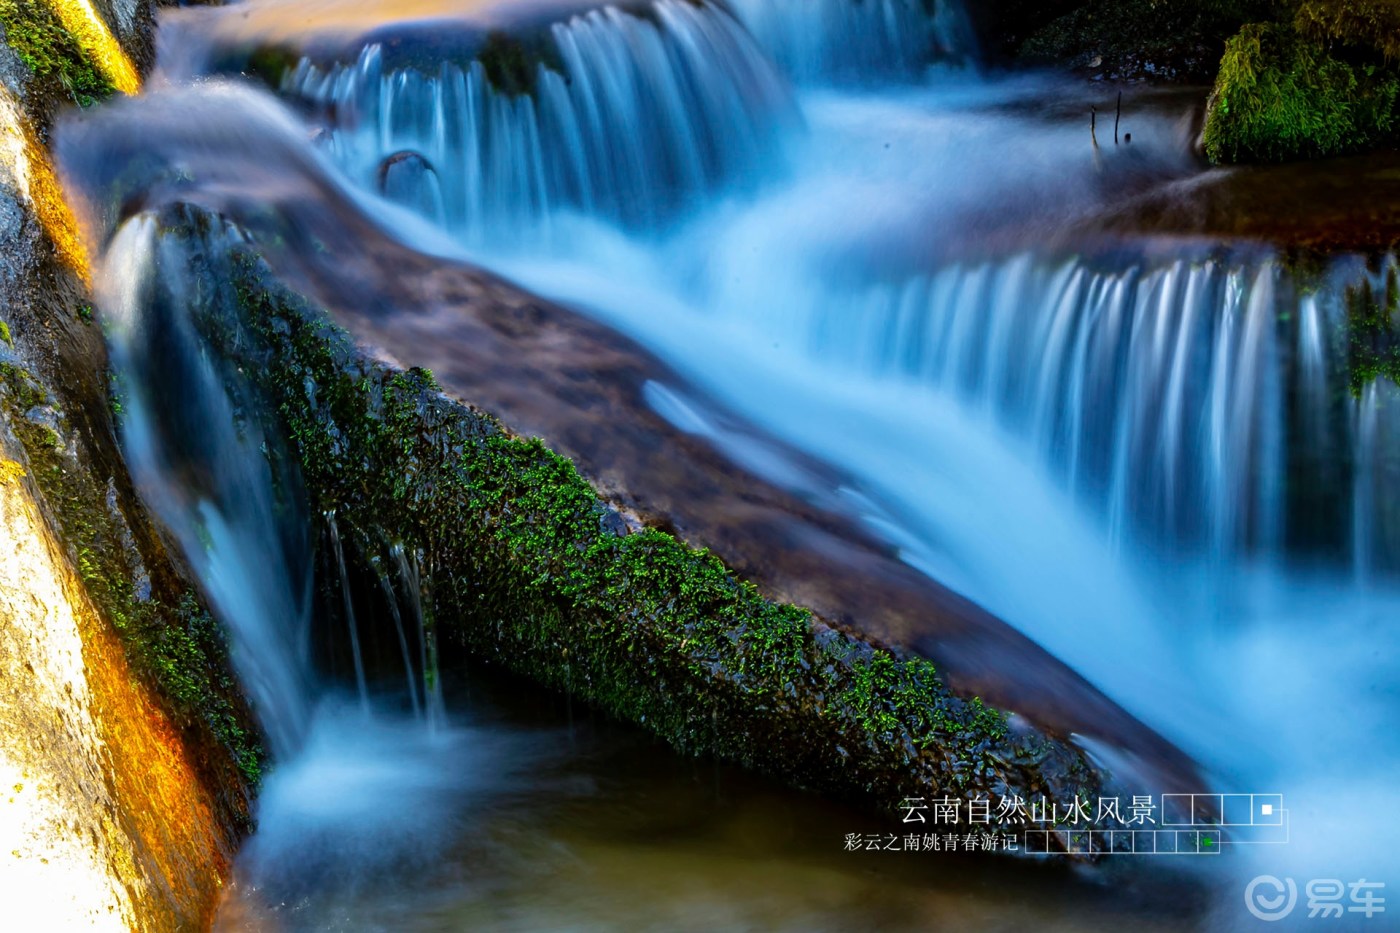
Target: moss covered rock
[[524, 564], [52, 53], [1281, 95]]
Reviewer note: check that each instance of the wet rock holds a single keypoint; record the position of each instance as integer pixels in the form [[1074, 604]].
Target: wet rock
[[127, 799], [409, 179], [526, 569]]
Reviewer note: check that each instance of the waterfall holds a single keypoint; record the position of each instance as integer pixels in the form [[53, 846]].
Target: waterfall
[[392, 598], [1149, 457], [195, 432], [196, 449], [846, 41], [412, 583], [1185, 401], [628, 118], [1376, 521], [348, 602], [356, 789]]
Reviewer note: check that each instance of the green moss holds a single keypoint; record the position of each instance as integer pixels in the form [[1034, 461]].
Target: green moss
[[1373, 327], [528, 567], [50, 51], [177, 646], [270, 63], [1280, 96], [1363, 23], [5, 334]]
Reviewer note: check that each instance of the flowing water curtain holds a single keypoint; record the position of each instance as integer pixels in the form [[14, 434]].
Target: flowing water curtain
[[1202, 406], [628, 119], [1375, 423], [860, 41], [205, 450], [195, 444]]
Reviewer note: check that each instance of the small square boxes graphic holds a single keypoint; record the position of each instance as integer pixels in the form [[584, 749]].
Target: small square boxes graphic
[[1268, 809], [1188, 824], [1239, 810], [1245, 818], [1201, 810]]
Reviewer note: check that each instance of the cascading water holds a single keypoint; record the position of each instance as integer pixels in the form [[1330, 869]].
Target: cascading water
[[352, 627], [1146, 455], [1112, 450], [834, 40], [1170, 397], [635, 118], [1213, 600], [196, 455], [355, 785]]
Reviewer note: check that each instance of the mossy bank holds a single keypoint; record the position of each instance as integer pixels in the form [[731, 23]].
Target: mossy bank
[[1295, 79], [1311, 84]]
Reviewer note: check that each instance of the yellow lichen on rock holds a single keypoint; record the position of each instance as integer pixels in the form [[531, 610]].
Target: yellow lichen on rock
[[25, 167], [104, 822], [81, 19]]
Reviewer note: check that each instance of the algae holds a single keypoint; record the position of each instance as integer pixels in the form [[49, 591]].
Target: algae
[[1373, 329], [175, 643], [51, 52]]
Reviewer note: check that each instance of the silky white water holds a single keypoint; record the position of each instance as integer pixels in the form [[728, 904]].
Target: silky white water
[[179, 421]]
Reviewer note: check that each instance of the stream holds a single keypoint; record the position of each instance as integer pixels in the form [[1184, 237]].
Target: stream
[[1141, 451]]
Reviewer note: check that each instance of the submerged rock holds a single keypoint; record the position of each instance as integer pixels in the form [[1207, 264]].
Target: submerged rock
[[409, 179]]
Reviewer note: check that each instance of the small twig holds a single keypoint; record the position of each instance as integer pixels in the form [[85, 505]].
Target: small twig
[[1093, 125], [1118, 116]]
